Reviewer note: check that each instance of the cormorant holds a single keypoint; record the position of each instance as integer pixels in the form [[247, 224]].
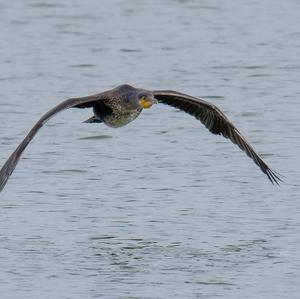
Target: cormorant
[[121, 105]]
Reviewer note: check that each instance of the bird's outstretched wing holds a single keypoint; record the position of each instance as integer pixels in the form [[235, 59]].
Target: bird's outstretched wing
[[10, 164], [215, 121]]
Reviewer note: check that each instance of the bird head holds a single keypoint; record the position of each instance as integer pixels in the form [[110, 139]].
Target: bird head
[[146, 100], [135, 98], [138, 98]]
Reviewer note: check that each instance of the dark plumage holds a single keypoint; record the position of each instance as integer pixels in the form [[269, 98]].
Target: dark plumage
[[121, 105]]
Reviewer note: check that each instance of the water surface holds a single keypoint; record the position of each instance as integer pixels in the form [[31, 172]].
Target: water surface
[[160, 208]]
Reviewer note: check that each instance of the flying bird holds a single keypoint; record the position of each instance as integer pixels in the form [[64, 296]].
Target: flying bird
[[121, 105]]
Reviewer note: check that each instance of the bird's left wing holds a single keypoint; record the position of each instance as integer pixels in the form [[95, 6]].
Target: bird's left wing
[[215, 121], [10, 164]]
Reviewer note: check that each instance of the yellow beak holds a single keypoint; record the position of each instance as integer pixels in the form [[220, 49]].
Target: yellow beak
[[146, 103]]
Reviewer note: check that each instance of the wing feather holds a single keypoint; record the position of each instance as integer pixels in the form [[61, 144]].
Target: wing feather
[[215, 121], [12, 161]]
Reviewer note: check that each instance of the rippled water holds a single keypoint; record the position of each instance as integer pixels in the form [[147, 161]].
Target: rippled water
[[160, 208]]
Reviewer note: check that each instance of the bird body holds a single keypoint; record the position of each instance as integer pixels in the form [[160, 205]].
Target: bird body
[[121, 105], [115, 115]]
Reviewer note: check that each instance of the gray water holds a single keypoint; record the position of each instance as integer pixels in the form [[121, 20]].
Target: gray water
[[160, 208]]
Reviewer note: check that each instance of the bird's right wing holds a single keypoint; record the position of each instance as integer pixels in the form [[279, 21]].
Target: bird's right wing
[[10, 164], [215, 121]]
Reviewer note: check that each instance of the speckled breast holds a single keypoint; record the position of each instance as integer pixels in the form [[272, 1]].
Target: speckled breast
[[120, 119]]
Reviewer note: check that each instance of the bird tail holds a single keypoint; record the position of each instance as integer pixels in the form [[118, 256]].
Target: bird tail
[[93, 119]]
